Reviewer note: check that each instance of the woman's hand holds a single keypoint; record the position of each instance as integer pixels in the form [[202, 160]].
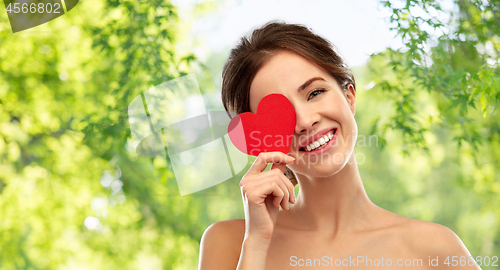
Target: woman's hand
[[262, 194]]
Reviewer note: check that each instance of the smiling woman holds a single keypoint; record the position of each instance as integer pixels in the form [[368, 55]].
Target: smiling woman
[[332, 219]]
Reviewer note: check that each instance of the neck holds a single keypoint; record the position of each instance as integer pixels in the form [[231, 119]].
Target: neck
[[334, 203]]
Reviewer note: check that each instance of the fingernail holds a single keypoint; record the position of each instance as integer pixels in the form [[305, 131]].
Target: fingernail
[[290, 158]]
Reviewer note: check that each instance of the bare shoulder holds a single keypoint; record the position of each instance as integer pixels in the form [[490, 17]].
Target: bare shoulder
[[422, 239], [231, 231], [432, 239], [221, 243]]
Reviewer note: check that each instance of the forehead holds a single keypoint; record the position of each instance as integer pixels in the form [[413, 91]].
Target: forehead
[[283, 74]]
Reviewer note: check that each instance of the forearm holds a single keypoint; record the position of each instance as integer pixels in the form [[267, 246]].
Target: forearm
[[253, 255]]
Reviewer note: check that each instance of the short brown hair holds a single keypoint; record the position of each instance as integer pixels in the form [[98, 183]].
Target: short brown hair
[[253, 52]]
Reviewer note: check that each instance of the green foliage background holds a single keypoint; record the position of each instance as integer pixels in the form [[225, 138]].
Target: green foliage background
[[65, 152]]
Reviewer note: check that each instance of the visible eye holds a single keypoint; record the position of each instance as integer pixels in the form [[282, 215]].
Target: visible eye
[[315, 93]]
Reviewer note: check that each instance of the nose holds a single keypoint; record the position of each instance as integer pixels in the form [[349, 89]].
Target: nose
[[306, 121]]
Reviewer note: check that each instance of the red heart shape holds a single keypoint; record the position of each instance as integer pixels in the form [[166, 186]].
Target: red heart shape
[[271, 129]]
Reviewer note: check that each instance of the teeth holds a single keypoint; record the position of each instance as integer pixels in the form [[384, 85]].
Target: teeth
[[321, 141]]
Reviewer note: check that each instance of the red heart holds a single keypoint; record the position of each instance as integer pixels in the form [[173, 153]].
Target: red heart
[[271, 129]]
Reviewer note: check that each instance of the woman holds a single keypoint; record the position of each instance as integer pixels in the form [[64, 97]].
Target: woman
[[332, 222]]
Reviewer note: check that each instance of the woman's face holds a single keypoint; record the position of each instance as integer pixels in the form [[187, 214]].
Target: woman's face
[[321, 106]]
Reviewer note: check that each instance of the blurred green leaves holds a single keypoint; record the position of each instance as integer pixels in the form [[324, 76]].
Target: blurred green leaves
[[438, 101], [458, 59], [65, 154], [64, 92]]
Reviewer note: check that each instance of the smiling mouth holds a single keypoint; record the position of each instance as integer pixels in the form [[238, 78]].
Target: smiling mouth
[[320, 143]]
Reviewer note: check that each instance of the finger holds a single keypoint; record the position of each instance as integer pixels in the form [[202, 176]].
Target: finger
[[289, 186], [264, 158], [279, 179], [279, 166], [270, 188], [287, 183], [256, 178], [286, 194]]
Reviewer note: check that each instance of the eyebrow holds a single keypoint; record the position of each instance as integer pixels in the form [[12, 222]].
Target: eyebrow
[[309, 82]]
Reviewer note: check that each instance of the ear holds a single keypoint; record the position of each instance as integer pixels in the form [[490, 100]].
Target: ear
[[350, 95]]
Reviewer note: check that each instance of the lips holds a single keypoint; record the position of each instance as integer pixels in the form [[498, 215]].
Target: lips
[[315, 137]]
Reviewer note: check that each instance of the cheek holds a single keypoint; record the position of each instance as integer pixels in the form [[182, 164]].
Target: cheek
[[340, 112], [337, 106], [333, 108]]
